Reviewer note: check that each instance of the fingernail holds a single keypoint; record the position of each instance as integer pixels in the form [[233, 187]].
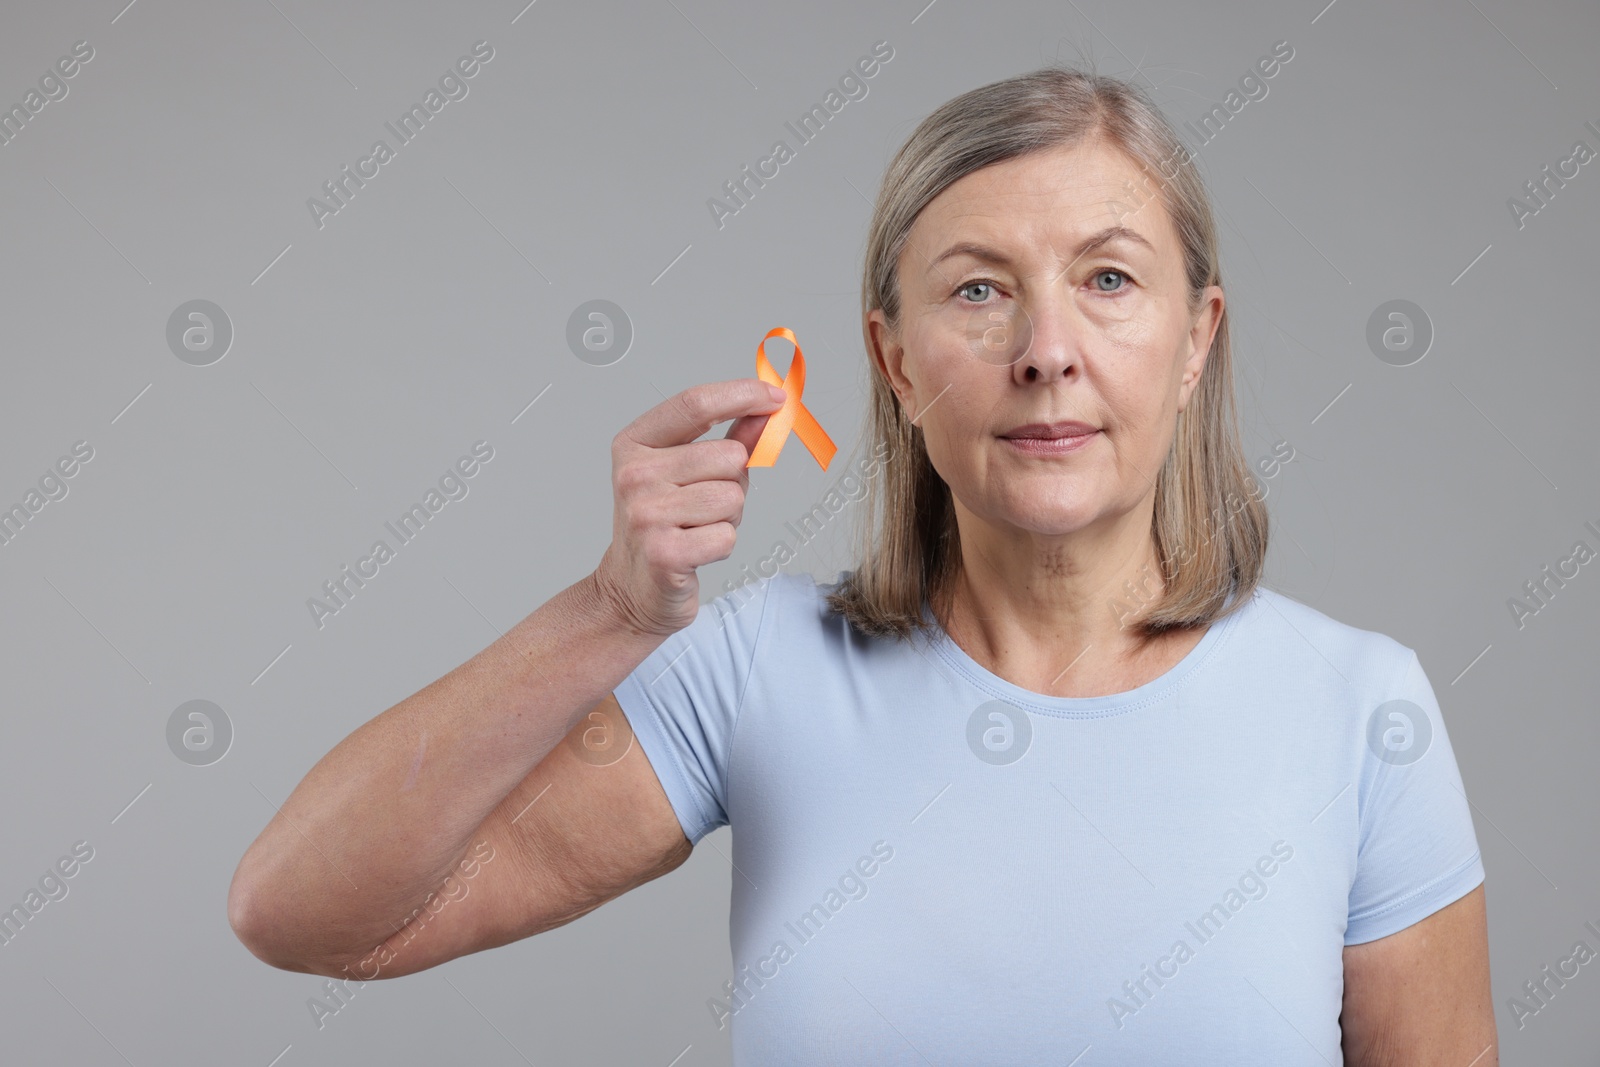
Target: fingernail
[[777, 394]]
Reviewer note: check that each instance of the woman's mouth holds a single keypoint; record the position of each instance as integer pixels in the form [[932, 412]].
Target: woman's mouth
[[1050, 439]]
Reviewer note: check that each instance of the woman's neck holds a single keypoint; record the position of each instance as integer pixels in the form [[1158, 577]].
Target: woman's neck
[[1060, 617]]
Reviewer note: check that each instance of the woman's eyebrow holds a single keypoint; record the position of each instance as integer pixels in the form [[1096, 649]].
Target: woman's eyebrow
[[1089, 244]]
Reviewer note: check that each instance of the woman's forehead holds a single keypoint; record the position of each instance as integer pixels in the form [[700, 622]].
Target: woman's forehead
[[1056, 194]]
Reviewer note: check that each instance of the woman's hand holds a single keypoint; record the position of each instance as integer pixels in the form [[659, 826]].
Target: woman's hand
[[679, 500]]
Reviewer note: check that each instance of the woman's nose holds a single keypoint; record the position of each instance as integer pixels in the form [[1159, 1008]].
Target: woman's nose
[[1047, 338]]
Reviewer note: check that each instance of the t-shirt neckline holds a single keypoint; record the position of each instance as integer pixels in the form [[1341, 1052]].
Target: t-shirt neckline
[[1154, 691]]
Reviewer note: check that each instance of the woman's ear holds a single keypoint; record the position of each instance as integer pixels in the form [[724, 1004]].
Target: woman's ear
[[1201, 332], [889, 355]]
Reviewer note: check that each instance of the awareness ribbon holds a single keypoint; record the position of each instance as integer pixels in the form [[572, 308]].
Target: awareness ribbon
[[794, 416]]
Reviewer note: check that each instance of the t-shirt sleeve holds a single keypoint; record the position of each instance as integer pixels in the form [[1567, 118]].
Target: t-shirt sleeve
[[1418, 850], [683, 703]]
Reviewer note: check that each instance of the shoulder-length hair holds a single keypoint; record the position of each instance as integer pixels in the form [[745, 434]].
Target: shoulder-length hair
[[1209, 526]]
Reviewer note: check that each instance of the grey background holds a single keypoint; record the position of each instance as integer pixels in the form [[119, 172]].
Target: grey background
[[371, 353]]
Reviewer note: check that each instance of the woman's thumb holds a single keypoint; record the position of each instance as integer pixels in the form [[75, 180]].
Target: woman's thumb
[[747, 430]]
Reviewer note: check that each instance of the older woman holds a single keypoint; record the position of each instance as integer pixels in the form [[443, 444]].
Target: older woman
[[1048, 775]]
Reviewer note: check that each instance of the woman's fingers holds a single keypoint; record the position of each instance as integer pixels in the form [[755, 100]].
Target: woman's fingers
[[678, 500], [690, 414]]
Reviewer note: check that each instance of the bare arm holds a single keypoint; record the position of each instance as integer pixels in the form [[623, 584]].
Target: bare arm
[[1420, 997], [577, 832], [382, 823], [386, 815]]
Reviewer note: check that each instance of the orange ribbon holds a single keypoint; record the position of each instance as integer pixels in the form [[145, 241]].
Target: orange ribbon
[[794, 416]]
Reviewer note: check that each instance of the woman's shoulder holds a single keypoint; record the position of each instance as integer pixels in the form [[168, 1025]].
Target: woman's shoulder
[[793, 605], [1290, 629], [792, 587], [754, 600]]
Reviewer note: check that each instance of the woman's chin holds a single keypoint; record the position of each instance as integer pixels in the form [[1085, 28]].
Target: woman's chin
[[1050, 521]]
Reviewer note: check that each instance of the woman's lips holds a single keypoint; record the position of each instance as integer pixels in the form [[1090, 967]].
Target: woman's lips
[[1051, 446]]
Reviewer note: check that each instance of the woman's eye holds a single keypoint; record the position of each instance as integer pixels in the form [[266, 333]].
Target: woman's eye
[[1100, 280], [975, 285]]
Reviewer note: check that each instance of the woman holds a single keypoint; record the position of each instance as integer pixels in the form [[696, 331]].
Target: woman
[[1049, 771]]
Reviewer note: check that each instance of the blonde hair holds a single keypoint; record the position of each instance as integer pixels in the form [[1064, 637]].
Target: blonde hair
[[1209, 528]]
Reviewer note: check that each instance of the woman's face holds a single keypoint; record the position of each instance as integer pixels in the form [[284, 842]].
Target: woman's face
[[1046, 289]]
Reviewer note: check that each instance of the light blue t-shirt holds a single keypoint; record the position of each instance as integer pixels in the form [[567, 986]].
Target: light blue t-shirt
[[933, 865]]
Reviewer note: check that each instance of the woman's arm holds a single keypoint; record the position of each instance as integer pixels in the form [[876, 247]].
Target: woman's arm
[[378, 825], [387, 815], [1420, 997]]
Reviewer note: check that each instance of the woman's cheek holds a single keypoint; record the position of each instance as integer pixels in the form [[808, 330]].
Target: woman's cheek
[[998, 335], [953, 448], [1128, 329], [949, 352]]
